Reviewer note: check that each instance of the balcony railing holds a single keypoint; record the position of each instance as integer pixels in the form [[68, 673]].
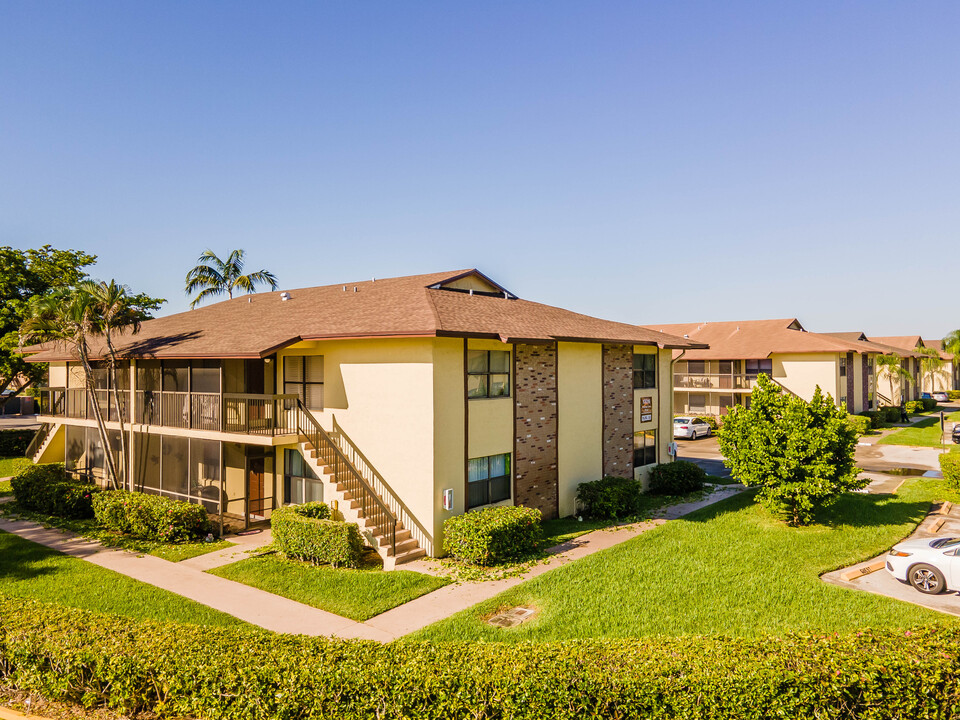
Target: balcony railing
[[238, 413], [705, 381]]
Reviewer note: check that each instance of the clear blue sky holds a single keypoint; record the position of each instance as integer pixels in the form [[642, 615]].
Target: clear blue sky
[[646, 162]]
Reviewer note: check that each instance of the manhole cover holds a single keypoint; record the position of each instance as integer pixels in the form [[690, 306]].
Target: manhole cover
[[511, 617]]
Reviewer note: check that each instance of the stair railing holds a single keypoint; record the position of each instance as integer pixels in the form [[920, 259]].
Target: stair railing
[[330, 454], [375, 480], [37, 442]]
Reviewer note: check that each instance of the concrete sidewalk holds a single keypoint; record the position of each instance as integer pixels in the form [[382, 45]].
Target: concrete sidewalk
[[281, 615]]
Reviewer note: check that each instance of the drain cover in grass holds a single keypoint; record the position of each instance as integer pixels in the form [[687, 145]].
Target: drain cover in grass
[[511, 617]]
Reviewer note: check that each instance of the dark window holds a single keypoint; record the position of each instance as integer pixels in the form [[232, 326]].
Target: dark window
[[488, 480], [696, 367], [303, 376], [488, 373], [843, 367], [755, 367], [644, 448], [300, 483], [645, 371]]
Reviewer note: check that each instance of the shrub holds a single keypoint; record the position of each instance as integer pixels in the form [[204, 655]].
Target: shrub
[[914, 406], [928, 404], [609, 498], [305, 534], [151, 517], [953, 394], [875, 417], [164, 669], [891, 414], [676, 478], [859, 424], [492, 535], [950, 467], [799, 453], [712, 420], [47, 489], [13, 443]]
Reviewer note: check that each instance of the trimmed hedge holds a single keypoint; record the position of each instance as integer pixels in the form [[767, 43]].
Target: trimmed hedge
[[135, 666], [609, 498], [915, 406], [859, 424], [676, 478], [304, 532], [492, 535], [891, 414], [13, 443], [928, 404], [48, 490], [152, 517], [950, 467], [875, 417], [953, 394]]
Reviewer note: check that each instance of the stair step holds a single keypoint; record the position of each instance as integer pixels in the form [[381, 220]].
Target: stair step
[[409, 555], [402, 547]]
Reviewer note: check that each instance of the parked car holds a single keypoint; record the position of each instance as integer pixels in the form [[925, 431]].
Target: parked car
[[955, 435], [931, 565], [941, 397], [690, 427], [925, 396]]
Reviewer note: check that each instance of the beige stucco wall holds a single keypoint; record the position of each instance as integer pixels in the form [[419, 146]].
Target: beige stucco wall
[[449, 440], [57, 375], [381, 392], [802, 373], [580, 419]]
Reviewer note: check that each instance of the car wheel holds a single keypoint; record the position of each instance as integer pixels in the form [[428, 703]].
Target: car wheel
[[927, 579]]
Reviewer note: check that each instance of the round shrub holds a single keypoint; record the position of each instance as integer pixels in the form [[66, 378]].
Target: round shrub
[[915, 406], [928, 404], [151, 517], [609, 498], [14, 443], [950, 467], [676, 478], [493, 535], [875, 417], [304, 532], [47, 489], [891, 414], [859, 424]]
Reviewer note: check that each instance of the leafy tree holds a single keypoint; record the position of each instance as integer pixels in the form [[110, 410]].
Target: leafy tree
[[800, 454], [951, 342], [215, 277], [930, 364], [25, 274], [116, 311], [892, 367], [66, 318]]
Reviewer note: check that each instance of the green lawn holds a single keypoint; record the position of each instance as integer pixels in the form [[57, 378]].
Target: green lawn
[[925, 433], [355, 594], [10, 466], [34, 571], [90, 529], [729, 569]]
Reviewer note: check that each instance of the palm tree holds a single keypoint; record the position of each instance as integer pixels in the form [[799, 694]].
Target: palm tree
[[951, 342], [892, 367], [930, 364], [215, 277], [67, 318], [115, 311]]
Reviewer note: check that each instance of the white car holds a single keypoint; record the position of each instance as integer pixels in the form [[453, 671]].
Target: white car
[[941, 397], [931, 565], [690, 427]]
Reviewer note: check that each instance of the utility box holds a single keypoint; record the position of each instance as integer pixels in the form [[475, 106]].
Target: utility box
[[448, 499]]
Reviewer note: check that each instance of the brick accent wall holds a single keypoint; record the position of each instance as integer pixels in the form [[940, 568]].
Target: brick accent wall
[[851, 387], [618, 410], [864, 374], [536, 481]]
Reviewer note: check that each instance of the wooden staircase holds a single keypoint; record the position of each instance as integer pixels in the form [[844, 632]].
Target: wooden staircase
[[355, 499], [41, 441]]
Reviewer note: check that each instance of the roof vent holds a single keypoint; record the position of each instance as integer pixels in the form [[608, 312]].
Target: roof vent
[[249, 299], [686, 337], [284, 296], [354, 288]]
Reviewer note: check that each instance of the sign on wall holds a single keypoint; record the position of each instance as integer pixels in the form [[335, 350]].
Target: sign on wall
[[646, 409]]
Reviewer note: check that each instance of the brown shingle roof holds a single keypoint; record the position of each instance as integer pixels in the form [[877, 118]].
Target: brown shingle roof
[[905, 342], [256, 325], [758, 339]]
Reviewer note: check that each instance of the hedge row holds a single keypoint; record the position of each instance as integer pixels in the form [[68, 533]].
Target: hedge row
[[13, 443], [493, 535], [875, 417], [151, 517], [304, 532], [676, 478], [140, 666], [950, 467], [859, 424], [47, 489], [609, 498]]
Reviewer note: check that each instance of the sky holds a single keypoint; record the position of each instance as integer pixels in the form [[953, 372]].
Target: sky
[[647, 162]]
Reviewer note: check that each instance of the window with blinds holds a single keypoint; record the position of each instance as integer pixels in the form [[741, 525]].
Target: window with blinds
[[303, 376]]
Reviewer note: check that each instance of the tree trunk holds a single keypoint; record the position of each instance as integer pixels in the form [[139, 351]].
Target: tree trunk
[[97, 415], [116, 401]]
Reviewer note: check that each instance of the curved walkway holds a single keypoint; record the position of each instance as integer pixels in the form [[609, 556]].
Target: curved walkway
[[282, 615]]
